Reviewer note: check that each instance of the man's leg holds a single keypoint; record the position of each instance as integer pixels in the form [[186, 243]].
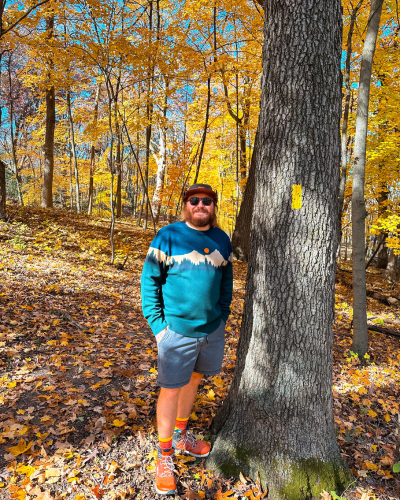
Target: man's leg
[[167, 409], [187, 396], [185, 441]]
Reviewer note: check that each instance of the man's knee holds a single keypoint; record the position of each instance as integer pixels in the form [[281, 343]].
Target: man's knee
[[169, 394], [196, 378]]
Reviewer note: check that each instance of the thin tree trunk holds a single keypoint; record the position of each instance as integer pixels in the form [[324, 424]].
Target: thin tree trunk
[[277, 419], [241, 234], [47, 192], [93, 153], [13, 139], [3, 194], [360, 331], [345, 124], [382, 255], [71, 190], [203, 140], [71, 127], [161, 160], [392, 269], [119, 176], [149, 109]]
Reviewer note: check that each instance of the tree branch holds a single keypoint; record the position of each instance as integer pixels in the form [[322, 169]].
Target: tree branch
[[12, 26]]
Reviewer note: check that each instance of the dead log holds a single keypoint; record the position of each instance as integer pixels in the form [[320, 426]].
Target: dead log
[[385, 331], [385, 299]]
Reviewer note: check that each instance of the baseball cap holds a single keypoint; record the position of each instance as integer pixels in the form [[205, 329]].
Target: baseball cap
[[200, 188]]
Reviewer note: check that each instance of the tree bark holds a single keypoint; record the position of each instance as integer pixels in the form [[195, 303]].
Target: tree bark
[[13, 138], [382, 255], [241, 234], [161, 159], [92, 154], [360, 332], [242, 124], [3, 194], [71, 127], [392, 269], [47, 192], [118, 169], [278, 417], [345, 124], [203, 139]]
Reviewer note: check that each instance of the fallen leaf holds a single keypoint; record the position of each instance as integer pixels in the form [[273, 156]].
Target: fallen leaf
[[20, 448]]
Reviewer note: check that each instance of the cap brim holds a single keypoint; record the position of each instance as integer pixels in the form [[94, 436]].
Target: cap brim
[[192, 192]]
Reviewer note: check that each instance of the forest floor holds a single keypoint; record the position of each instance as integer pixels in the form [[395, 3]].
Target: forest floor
[[78, 372]]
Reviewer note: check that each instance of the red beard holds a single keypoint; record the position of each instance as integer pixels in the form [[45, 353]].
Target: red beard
[[197, 221]]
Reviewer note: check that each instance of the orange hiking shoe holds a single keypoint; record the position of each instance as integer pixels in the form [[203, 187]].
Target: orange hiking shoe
[[186, 442], [165, 479]]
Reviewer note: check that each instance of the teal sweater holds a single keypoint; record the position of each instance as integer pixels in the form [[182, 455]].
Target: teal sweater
[[187, 280]]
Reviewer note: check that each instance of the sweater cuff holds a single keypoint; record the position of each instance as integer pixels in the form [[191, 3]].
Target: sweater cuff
[[158, 325]]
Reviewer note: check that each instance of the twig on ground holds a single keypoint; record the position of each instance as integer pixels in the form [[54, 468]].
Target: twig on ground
[[67, 317]]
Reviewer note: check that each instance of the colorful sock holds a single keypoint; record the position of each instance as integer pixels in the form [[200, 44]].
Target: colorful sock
[[165, 444], [181, 425]]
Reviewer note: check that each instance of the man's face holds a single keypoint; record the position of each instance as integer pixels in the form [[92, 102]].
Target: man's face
[[200, 215]]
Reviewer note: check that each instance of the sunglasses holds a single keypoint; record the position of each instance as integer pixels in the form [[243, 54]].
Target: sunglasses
[[195, 201]]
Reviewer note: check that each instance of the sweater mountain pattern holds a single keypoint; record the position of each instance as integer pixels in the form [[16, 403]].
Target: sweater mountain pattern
[[187, 280]]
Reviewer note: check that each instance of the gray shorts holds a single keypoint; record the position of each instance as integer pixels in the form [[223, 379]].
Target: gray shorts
[[179, 357]]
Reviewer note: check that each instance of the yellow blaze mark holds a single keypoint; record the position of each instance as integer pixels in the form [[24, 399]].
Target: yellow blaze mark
[[296, 197]]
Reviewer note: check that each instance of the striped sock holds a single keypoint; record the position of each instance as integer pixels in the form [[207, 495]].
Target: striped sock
[[181, 425], [165, 444]]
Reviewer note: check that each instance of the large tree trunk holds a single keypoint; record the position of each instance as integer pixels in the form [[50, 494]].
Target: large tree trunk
[[278, 417], [47, 192], [360, 332], [3, 195], [241, 234]]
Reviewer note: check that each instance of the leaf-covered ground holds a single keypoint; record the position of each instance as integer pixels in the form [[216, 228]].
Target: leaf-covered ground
[[78, 372]]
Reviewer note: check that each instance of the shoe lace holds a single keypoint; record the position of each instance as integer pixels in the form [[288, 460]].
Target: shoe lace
[[190, 439], [166, 466]]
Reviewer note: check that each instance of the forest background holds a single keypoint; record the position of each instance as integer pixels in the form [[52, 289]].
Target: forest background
[[112, 109], [173, 90]]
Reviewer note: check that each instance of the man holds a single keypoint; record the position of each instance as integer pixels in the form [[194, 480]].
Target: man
[[186, 294]]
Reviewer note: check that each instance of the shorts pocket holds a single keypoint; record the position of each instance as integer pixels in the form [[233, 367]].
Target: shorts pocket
[[165, 337]]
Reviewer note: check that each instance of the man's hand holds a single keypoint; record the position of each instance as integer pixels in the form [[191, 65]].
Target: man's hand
[[160, 335]]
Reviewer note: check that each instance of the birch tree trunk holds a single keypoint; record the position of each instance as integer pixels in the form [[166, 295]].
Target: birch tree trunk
[[71, 127], [278, 416], [160, 158], [360, 332], [47, 192]]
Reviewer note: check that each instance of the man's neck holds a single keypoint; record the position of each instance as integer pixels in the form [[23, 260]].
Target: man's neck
[[205, 228]]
